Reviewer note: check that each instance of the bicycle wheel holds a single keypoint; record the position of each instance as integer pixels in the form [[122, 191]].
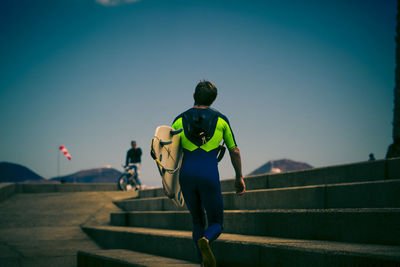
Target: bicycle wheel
[[123, 182]]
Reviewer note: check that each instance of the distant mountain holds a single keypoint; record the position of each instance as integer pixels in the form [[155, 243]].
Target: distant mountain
[[15, 173], [99, 175], [282, 165]]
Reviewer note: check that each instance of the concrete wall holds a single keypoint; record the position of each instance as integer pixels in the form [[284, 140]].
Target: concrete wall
[[8, 189], [75, 187], [362, 171], [354, 172]]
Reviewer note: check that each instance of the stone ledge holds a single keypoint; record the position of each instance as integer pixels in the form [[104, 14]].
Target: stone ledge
[[56, 188], [245, 250], [126, 258], [6, 190]]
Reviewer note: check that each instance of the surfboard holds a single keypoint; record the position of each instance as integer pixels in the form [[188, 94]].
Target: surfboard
[[167, 152]]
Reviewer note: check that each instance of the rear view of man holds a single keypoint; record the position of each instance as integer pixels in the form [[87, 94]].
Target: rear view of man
[[133, 158], [203, 130]]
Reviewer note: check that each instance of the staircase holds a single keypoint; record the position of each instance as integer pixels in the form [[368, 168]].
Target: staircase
[[346, 215]]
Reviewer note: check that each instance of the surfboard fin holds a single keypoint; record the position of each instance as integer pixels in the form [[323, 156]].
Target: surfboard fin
[[152, 153], [174, 132], [164, 143]]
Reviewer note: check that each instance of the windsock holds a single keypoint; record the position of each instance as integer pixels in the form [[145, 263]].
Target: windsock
[[65, 152]]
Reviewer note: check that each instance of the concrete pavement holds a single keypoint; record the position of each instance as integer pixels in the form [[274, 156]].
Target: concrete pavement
[[45, 229]]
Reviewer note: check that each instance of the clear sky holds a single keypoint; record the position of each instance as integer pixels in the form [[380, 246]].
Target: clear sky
[[308, 80]]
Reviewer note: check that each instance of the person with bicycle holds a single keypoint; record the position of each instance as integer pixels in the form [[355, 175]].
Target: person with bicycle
[[133, 160]]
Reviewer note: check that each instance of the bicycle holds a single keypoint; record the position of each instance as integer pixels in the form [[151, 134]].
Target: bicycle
[[127, 180]]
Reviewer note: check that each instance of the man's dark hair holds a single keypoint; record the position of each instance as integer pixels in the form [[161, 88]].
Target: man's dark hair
[[205, 93]]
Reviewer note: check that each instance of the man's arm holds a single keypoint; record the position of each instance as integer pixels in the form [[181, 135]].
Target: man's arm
[[237, 165]]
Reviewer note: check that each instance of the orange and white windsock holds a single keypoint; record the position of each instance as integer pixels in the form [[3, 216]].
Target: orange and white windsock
[[65, 152]]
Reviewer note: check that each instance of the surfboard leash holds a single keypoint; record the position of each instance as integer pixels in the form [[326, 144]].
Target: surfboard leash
[[221, 152], [153, 155]]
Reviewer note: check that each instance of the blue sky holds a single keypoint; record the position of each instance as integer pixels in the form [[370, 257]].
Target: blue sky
[[308, 80]]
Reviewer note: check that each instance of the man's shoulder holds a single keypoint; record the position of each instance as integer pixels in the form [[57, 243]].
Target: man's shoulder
[[212, 112], [219, 114], [177, 118], [181, 115]]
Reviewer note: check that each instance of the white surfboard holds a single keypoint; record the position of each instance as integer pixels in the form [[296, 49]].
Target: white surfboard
[[167, 152]]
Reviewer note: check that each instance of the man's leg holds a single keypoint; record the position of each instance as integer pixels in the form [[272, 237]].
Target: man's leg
[[198, 216], [193, 203], [138, 182], [211, 198], [212, 201]]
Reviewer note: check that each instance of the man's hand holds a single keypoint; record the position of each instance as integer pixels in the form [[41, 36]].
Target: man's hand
[[237, 165], [240, 186]]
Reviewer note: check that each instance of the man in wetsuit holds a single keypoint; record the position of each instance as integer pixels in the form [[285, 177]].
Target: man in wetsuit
[[133, 159], [203, 130]]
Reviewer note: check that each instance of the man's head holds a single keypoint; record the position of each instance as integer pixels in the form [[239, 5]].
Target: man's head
[[205, 93], [133, 144]]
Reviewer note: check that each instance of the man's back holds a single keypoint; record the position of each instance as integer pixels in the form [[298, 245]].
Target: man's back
[[134, 155], [203, 129]]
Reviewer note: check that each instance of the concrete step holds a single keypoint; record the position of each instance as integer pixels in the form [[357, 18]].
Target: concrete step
[[244, 250], [373, 194], [344, 225], [126, 258], [347, 173], [150, 193]]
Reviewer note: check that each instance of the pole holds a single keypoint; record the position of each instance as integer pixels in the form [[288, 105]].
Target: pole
[[58, 162], [394, 149]]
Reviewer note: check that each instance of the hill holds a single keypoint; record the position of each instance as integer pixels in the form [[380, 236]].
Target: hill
[[98, 175], [15, 173], [282, 165]]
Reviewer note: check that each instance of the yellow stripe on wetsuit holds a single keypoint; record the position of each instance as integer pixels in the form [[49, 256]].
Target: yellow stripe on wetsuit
[[222, 131]]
